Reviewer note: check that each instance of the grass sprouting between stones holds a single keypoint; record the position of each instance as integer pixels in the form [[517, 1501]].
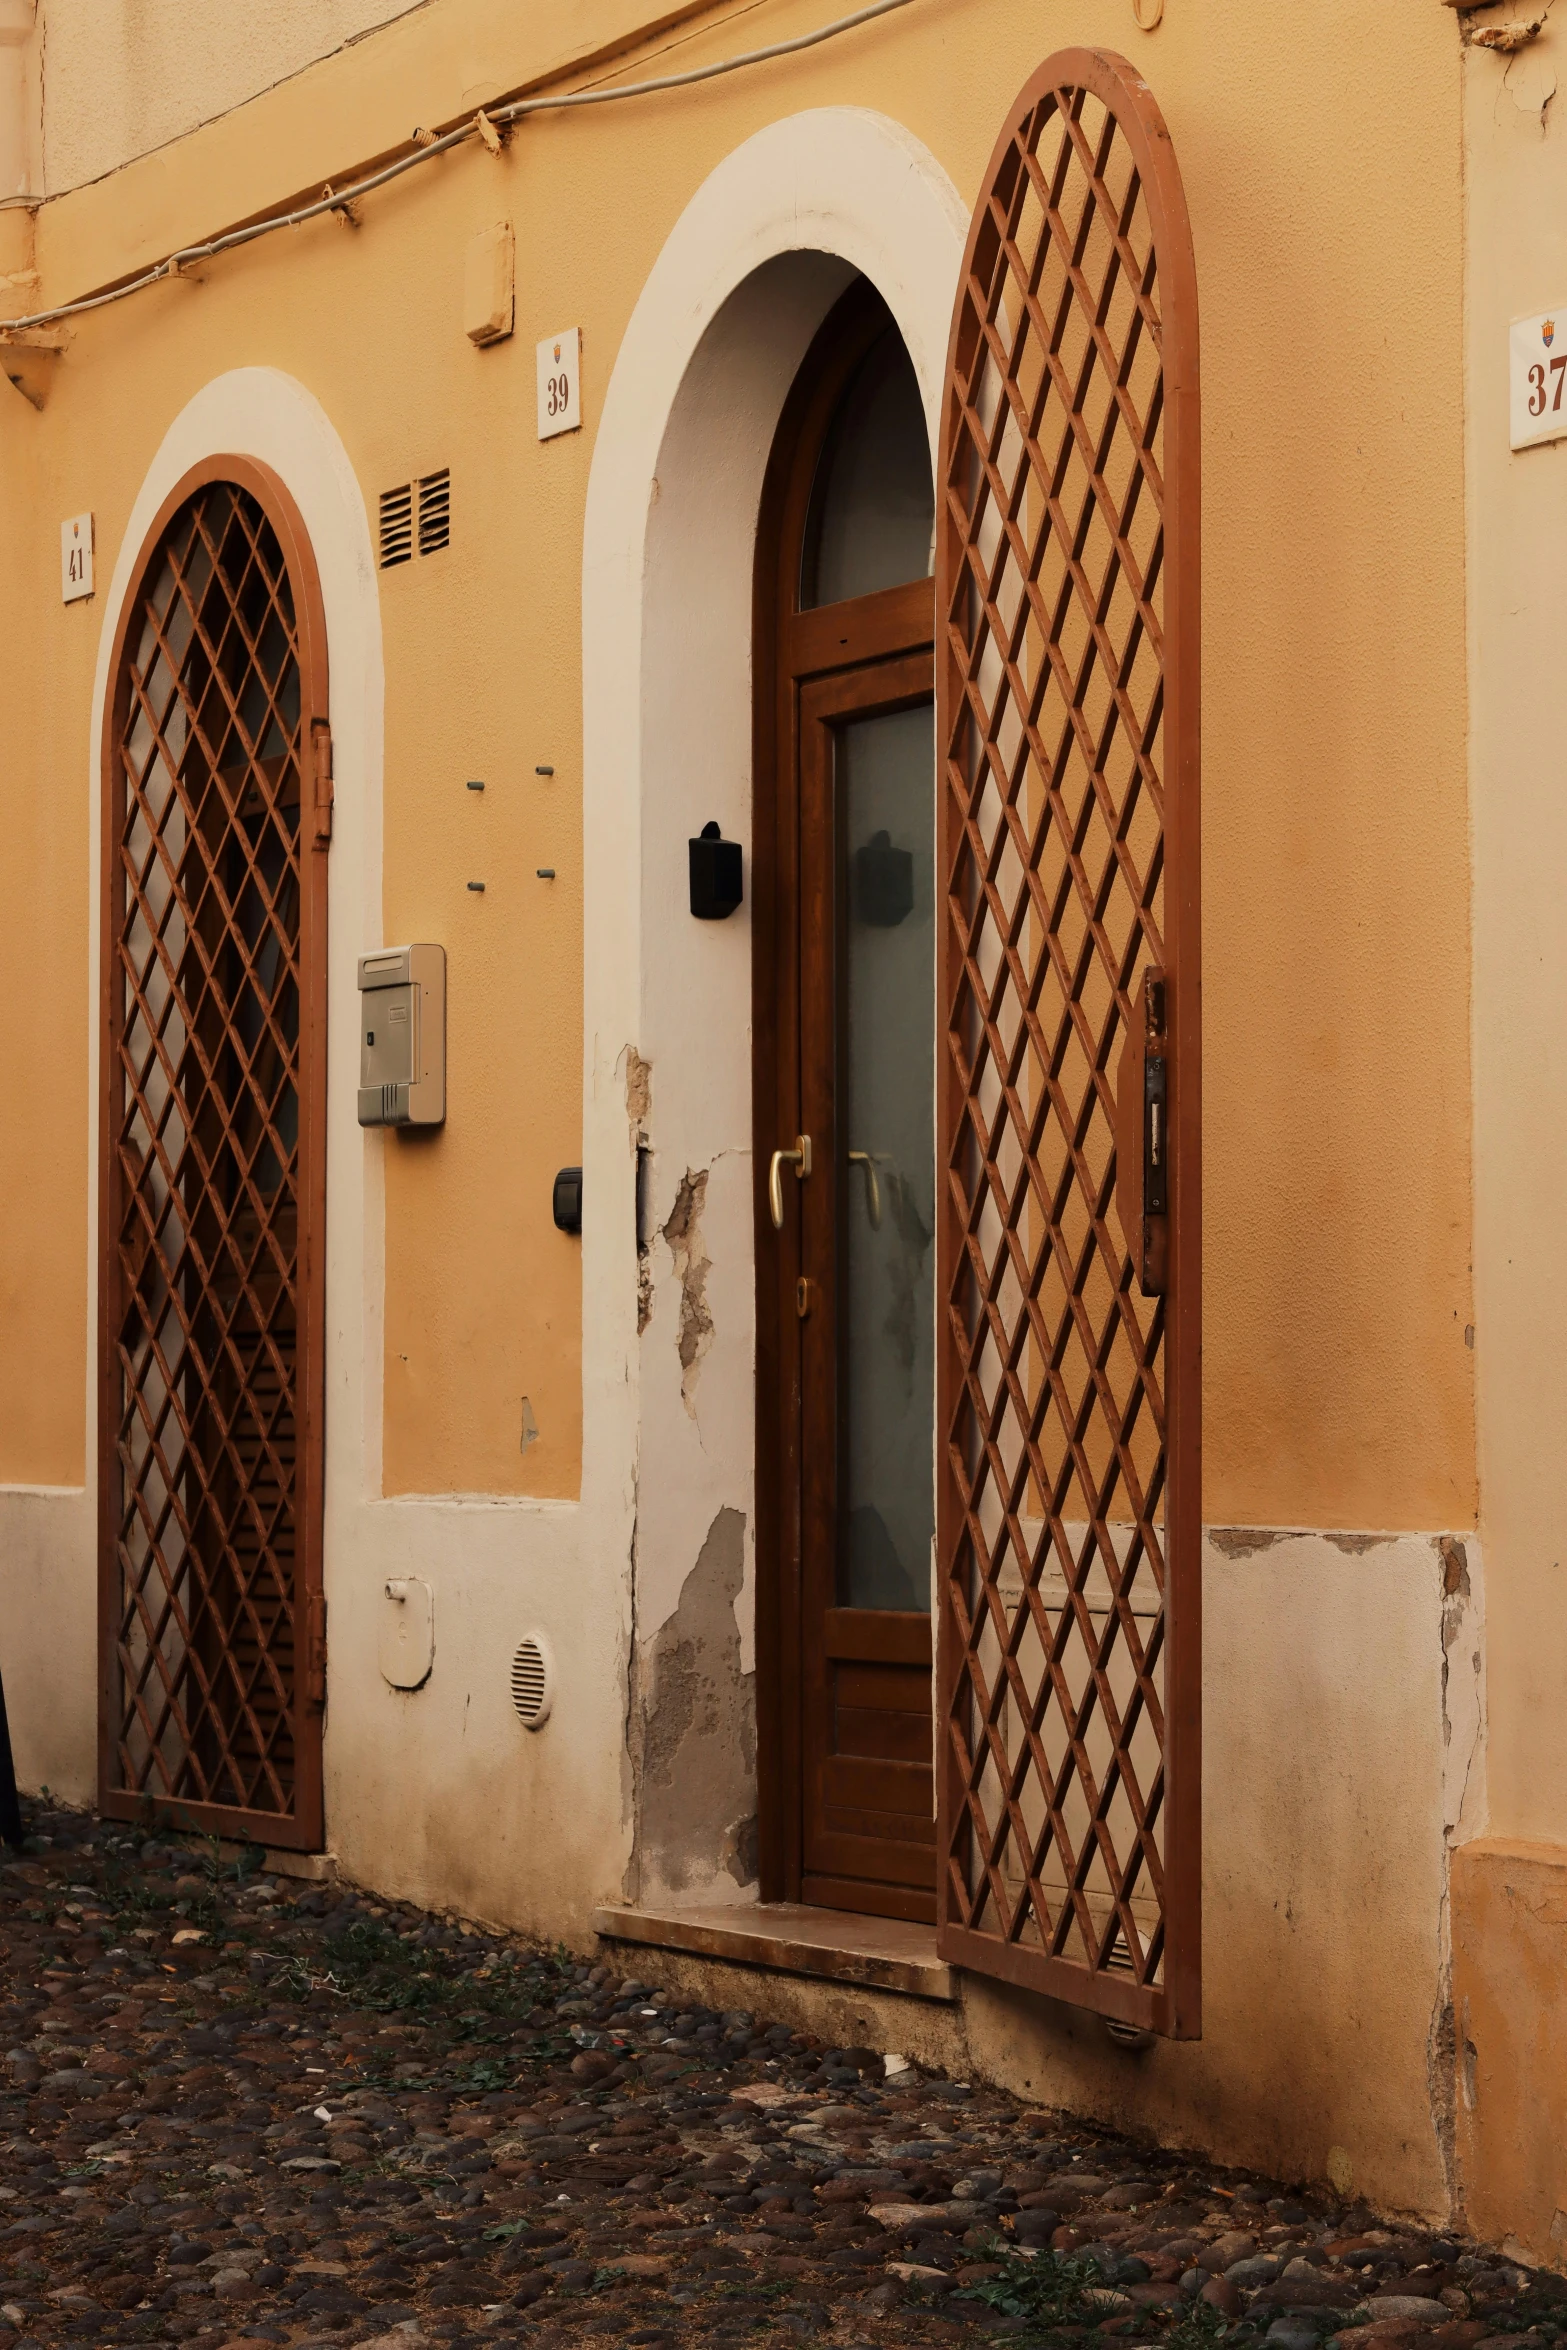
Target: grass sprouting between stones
[[1046, 2292], [1052, 2293]]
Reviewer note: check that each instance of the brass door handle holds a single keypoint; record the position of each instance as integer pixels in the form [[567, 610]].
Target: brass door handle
[[867, 1160], [800, 1160]]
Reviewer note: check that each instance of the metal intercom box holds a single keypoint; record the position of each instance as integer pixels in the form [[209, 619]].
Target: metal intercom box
[[402, 1037]]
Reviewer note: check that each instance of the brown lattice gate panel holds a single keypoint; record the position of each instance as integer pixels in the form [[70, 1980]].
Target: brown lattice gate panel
[[217, 815], [1067, 673]]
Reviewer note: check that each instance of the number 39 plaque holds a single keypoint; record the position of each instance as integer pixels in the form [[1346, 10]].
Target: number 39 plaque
[[560, 383], [1538, 372]]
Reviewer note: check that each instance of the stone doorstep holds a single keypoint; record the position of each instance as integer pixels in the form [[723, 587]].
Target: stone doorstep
[[316, 1868], [789, 1938]]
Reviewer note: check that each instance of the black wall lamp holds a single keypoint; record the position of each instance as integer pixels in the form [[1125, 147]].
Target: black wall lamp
[[568, 1200], [716, 884]]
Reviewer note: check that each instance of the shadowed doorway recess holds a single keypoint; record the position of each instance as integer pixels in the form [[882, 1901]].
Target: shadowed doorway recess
[[844, 990], [211, 1390]]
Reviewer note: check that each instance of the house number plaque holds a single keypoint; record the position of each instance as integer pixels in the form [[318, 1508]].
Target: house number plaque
[[1537, 374], [560, 383]]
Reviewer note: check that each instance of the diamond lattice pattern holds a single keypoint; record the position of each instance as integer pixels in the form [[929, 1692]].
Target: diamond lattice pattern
[[205, 1166], [1055, 1591]]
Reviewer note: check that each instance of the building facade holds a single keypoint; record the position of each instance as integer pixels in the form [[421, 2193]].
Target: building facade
[[980, 1267]]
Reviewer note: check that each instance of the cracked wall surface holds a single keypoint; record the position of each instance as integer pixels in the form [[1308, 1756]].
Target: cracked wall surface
[[1464, 1710], [688, 1249], [693, 1733], [1463, 1812]]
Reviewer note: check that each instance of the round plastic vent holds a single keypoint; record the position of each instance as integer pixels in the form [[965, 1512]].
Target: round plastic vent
[[532, 1682]]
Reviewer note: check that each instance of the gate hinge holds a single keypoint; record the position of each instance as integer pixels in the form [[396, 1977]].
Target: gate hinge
[[321, 761], [315, 1667]]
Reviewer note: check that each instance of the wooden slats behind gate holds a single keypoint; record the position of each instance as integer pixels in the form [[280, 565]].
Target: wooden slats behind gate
[[212, 1199], [1069, 1407]]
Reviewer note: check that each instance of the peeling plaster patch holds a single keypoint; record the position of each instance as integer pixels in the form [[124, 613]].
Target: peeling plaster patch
[[1470, 2065], [1528, 72], [646, 1297], [1508, 39], [1442, 2080], [683, 1231], [1242, 1542], [695, 1764], [639, 1090], [530, 1426], [639, 1110]]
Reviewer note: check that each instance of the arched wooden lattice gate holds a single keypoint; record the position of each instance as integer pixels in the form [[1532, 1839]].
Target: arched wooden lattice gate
[[217, 815], [1069, 1537]]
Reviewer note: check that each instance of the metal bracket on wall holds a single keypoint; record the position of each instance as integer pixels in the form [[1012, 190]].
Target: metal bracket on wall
[[29, 357]]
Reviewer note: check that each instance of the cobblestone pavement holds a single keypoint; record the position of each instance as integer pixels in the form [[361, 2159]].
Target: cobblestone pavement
[[239, 2108]]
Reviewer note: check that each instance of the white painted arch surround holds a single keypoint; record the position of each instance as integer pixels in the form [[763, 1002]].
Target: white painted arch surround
[[692, 407]]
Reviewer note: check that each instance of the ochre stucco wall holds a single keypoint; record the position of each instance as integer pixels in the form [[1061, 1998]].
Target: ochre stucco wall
[[1338, 1384], [45, 889]]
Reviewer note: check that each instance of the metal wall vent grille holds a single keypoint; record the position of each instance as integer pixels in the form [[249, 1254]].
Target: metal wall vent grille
[[532, 1682], [435, 511], [397, 525]]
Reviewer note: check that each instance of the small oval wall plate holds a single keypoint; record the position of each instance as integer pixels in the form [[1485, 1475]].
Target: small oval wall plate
[[406, 1646]]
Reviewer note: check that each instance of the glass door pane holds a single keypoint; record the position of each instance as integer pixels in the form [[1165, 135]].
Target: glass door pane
[[887, 1029]]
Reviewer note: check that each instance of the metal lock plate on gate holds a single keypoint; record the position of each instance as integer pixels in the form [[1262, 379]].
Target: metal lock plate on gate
[[402, 1037], [1142, 1137]]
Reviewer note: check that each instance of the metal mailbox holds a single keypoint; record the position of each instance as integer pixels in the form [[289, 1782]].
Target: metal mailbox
[[402, 1037]]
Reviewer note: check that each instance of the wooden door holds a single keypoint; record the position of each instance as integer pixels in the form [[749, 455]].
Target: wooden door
[[845, 903], [211, 1387]]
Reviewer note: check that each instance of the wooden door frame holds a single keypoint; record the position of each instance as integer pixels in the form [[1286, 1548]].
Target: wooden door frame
[[304, 1829], [791, 648]]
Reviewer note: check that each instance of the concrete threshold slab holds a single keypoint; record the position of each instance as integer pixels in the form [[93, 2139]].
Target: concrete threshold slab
[[789, 1938], [317, 1868]]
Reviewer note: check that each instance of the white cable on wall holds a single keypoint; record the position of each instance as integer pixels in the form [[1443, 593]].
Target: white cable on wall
[[482, 126]]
